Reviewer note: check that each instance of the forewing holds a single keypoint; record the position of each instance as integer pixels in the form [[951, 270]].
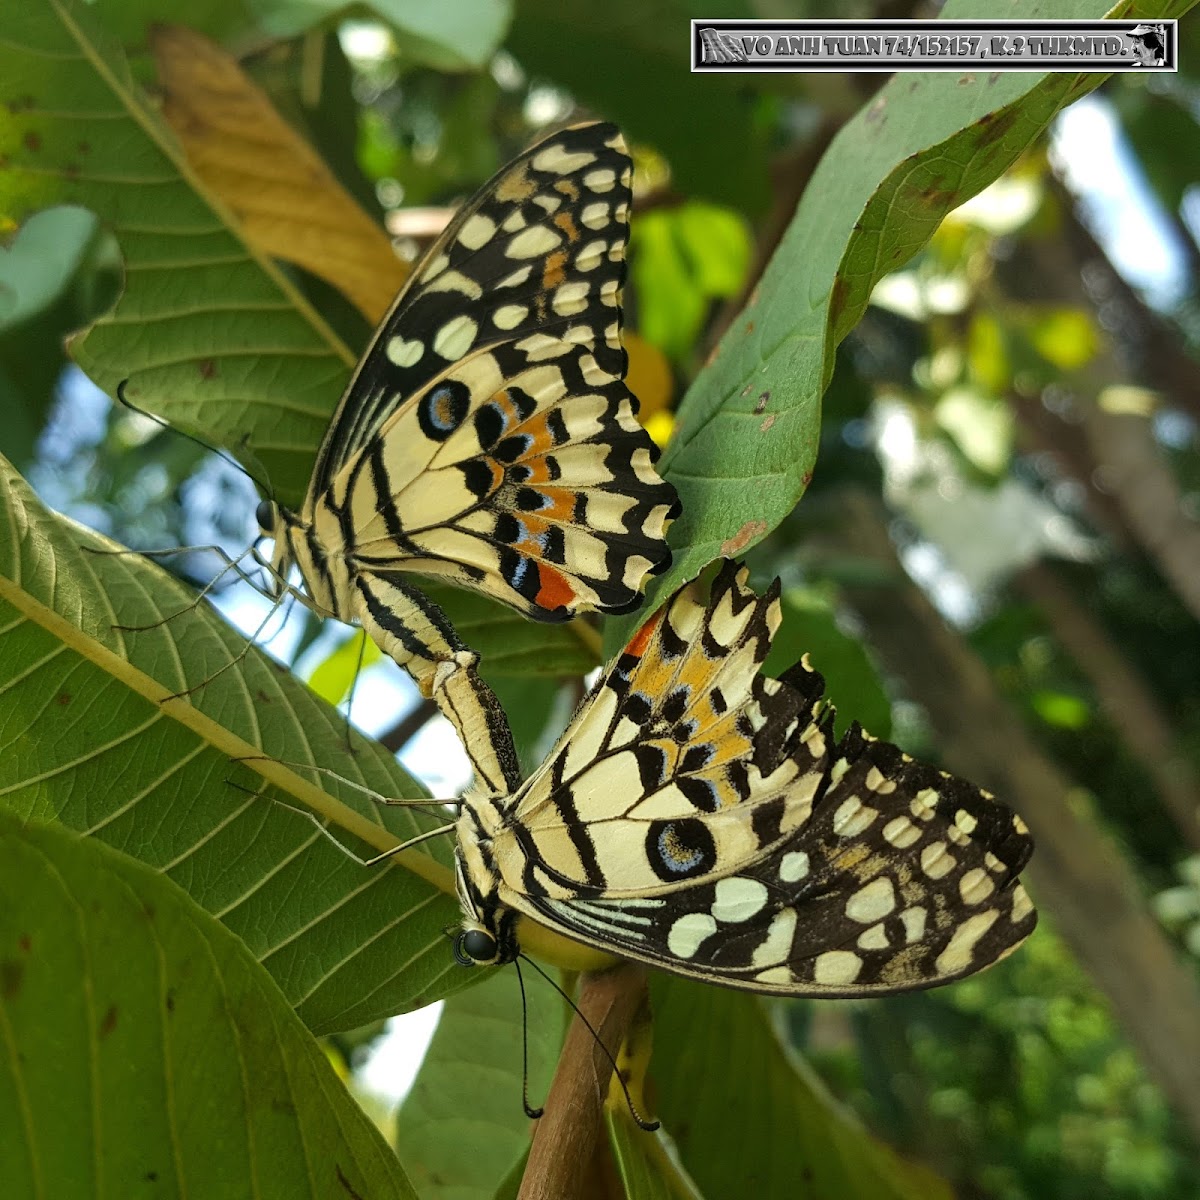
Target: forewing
[[525, 476], [537, 253]]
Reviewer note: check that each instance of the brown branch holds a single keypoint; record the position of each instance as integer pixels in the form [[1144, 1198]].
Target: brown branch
[[1077, 874], [409, 725], [1124, 696], [570, 1143]]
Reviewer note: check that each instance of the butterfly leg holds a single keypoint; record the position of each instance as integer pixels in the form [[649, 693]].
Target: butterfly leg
[[415, 633]]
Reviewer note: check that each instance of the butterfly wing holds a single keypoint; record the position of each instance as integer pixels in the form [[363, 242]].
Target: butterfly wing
[[525, 476], [540, 248], [702, 818]]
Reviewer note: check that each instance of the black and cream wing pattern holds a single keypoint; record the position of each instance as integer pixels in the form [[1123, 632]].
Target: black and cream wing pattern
[[487, 434], [702, 817]]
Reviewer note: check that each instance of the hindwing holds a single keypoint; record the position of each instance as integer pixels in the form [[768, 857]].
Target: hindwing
[[704, 818]]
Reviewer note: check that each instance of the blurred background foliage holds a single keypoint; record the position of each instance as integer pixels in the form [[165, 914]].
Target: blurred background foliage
[[1020, 402]]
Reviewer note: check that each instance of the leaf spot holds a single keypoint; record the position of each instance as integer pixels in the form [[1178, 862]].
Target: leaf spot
[[750, 532]]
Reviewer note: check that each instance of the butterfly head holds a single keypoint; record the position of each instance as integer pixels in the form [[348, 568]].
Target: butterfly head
[[274, 522], [487, 934]]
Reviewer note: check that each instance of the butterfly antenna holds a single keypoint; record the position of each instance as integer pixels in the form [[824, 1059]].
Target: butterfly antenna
[[265, 488], [642, 1123], [531, 1112]]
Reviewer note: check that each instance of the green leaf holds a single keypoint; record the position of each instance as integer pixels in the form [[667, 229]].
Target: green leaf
[[647, 1162], [747, 432], [94, 743], [462, 1129], [851, 681], [682, 259], [629, 60], [148, 1052], [981, 426], [212, 335], [749, 1117]]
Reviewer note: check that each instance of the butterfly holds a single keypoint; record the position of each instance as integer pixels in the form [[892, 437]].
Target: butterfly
[[487, 436], [702, 817]]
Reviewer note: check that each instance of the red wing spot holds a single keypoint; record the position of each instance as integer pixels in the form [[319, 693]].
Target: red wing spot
[[554, 590], [641, 639], [33, 141]]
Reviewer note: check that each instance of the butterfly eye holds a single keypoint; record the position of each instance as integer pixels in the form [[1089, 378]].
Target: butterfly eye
[[475, 946], [264, 514]]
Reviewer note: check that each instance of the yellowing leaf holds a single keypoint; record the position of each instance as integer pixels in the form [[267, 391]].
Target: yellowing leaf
[[981, 427], [988, 354], [286, 200], [334, 676], [1066, 337], [649, 377]]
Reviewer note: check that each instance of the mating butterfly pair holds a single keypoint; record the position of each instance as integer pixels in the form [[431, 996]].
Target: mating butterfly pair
[[696, 814]]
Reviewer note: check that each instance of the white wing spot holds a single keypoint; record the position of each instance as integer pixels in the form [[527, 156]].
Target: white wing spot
[[937, 861], [402, 353], [873, 902], [975, 886], [777, 945], [965, 821], [509, 316], [595, 216], [877, 781], [960, 949], [517, 278], [738, 899], [560, 161], [600, 181], [590, 257], [914, 923], [924, 804], [836, 967], [454, 338], [853, 818], [570, 299], [435, 268], [1022, 906], [514, 221], [533, 242], [689, 932], [901, 832], [793, 866], [875, 938], [477, 232]]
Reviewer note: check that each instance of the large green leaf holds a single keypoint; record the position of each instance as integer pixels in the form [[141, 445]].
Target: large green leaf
[[211, 334], [147, 1053], [750, 1119], [92, 741], [746, 440], [462, 1128]]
